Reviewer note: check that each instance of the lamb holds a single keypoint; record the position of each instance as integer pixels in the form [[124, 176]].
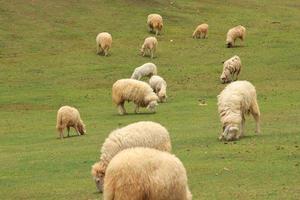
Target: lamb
[[149, 46], [155, 23], [147, 69], [145, 173], [159, 86], [139, 134], [104, 41], [201, 30], [234, 33], [231, 69], [234, 102], [133, 90], [69, 117]]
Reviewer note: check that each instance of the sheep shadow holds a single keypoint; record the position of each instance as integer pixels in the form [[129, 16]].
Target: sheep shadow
[[132, 114], [71, 136]]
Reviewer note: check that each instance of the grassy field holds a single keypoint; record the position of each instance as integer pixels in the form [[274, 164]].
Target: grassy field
[[48, 59]]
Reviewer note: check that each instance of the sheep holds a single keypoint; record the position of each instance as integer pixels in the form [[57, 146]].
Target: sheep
[[145, 173], [159, 86], [155, 23], [103, 41], [234, 33], [234, 102], [69, 117], [133, 90], [139, 134], [147, 69], [201, 30], [231, 69], [149, 46]]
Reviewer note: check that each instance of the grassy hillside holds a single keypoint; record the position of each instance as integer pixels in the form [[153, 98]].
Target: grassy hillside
[[48, 59]]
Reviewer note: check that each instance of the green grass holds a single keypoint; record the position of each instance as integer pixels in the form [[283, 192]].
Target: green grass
[[48, 59]]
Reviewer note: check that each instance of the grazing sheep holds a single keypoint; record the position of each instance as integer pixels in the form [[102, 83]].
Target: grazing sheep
[[69, 117], [231, 69], [201, 30], [159, 86], [155, 23], [133, 90], [147, 69], [104, 41], [149, 46], [145, 173], [234, 33], [139, 134], [234, 102]]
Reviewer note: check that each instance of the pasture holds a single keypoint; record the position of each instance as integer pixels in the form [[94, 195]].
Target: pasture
[[48, 59]]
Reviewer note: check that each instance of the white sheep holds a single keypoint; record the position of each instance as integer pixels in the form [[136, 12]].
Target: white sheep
[[159, 86], [103, 41], [133, 90], [234, 102], [201, 31], [149, 46], [69, 117], [139, 134], [155, 23], [147, 69], [145, 173], [234, 33], [231, 69]]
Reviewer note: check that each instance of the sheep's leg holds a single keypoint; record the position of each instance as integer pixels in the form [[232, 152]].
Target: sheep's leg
[[156, 32], [151, 53], [61, 133], [242, 131], [121, 108], [68, 131], [136, 110], [256, 115]]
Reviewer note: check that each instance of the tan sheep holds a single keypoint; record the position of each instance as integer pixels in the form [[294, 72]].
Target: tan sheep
[[234, 33], [103, 41], [236, 101], [133, 90], [139, 134], [201, 31], [145, 173], [155, 23], [69, 117], [231, 69], [149, 46]]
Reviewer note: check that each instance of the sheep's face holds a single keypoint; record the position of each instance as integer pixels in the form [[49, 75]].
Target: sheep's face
[[151, 106], [98, 173], [230, 133], [81, 128], [224, 76], [229, 44], [162, 97]]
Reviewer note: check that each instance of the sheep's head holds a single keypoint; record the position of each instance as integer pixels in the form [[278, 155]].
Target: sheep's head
[[151, 106], [98, 173], [142, 49], [81, 128], [229, 44], [230, 133], [162, 96], [224, 76]]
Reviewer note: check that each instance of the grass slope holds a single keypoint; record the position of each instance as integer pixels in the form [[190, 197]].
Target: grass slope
[[47, 59]]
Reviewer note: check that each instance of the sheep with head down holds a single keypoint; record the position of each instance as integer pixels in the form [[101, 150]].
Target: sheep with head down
[[147, 69], [139, 134], [236, 101], [231, 69], [155, 23], [159, 86], [234, 33], [149, 46], [201, 31], [103, 41]]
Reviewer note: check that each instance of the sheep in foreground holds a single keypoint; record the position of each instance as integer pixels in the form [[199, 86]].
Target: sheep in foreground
[[149, 46], [69, 117], [147, 69], [234, 102], [133, 90], [155, 23], [231, 69], [139, 134], [145, 173], [201, 31], [103, 41], [159, 86], [234, 33]]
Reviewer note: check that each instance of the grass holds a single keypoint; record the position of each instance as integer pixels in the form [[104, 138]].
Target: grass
[[48, 59]]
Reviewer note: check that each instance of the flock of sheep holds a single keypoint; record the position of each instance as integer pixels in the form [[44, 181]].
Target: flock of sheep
[[136, 161]]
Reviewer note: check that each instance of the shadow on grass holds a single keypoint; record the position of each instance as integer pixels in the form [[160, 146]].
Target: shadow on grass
[[128, 114]]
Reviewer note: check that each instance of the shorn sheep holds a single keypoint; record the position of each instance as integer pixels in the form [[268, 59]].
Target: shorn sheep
[[231, 69], [147, 69], [155, 23], [159, 86], [234, 102], [234, 33], [201, 31], [69, 117], [139, 134], [145, 173], [103, 41], [149, 46], [133, 90]]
